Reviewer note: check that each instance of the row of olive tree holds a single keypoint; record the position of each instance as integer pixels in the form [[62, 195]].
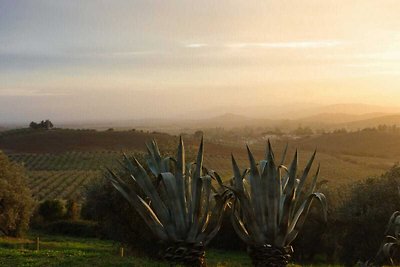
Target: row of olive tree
[[19, 210]]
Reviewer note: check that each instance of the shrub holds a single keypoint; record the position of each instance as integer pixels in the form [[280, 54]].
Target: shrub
[[117, 219], [364, 214], [73, 210], [16, 202], [80, 228], [52, 210], [227, 238]]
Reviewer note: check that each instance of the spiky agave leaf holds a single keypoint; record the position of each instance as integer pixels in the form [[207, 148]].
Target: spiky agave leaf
[[186, 209], [275, 208], [391, 244]]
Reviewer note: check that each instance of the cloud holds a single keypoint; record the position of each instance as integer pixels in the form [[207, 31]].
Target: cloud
[[196, 45], [292, 45]]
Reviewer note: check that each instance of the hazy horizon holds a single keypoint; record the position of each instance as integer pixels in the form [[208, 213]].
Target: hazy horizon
[[94, 60]]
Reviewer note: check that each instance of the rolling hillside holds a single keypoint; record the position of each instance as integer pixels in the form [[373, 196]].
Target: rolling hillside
[[63, 140], [366, 143], [392, 119], [61, 163]]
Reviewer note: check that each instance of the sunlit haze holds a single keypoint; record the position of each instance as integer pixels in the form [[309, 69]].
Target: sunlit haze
[[87, 60]]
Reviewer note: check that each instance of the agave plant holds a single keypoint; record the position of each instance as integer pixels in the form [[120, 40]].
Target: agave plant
[[389, 252], [271, 206], [184, 211]]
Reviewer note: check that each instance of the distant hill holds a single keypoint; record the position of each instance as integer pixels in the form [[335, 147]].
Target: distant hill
[[66, 140], [362, 143], [393, 119], [62, 140], [284, 116], [336, 118], [350, 109], [228, 120], [328, 121]]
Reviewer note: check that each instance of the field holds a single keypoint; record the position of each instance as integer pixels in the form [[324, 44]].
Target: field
[[60, 163], [63, 176]]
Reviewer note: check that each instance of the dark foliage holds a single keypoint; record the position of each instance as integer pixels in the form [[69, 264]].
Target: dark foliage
[[51, 210], [73, 210], [16, 202], [80, 228], [357, 220], [227, 237], [117, 219], [47, 125], [365, 213]]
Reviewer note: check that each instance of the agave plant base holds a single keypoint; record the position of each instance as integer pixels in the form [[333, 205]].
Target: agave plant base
[[186, 254], [268, 255]]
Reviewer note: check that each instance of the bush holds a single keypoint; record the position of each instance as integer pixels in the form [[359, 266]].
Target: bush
[[52, 210], [73, 210], [227, 238], [80, 228], [117, 219], [16, 202], [364, 215]]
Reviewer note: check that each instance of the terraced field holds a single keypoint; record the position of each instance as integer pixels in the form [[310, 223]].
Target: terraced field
[[60, 184], [82, 161], [337, 170], [64, 176]]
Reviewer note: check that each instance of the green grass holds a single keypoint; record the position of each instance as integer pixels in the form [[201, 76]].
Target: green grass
[[66, 251], [69, 251], [77, 252]]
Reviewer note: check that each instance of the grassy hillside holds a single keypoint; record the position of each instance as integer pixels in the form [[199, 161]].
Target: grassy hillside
[[60, 184], [366, 143], [391, 119], [61, 163], [62, 140]]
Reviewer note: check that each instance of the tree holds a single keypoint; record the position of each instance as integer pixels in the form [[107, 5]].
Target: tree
[[117, 219], [52, 210], [16, 202], [73, 210], [47, 124], [303, 131]]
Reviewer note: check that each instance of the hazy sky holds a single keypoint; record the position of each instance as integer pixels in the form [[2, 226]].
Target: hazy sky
[[70, 59]]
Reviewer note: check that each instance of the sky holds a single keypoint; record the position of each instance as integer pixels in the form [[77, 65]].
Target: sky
[[84, 60]]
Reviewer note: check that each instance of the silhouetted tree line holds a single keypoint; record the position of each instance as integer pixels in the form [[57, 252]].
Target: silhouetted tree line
[[47, 124]]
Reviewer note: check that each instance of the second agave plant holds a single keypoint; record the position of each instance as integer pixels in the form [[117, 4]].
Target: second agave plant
[[271, 206], [185, 211]]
